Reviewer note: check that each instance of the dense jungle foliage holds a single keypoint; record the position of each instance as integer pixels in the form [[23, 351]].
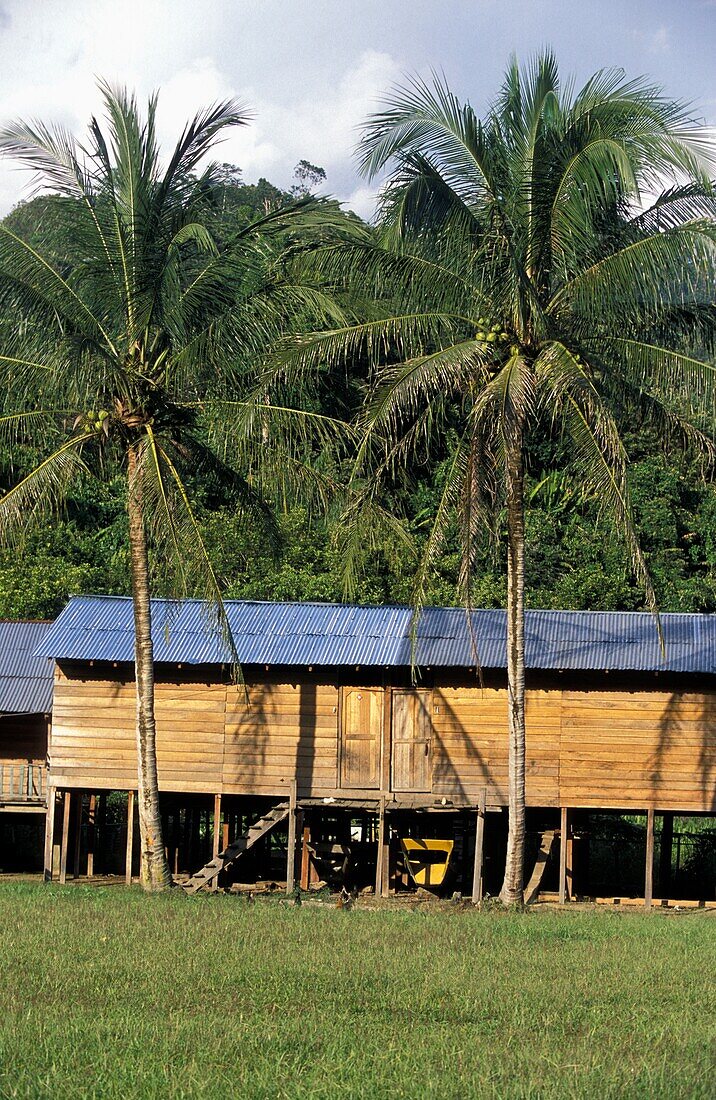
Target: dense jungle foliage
[[574, 558]]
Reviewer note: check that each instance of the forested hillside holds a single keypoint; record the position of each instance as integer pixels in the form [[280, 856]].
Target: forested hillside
[[574, 558]]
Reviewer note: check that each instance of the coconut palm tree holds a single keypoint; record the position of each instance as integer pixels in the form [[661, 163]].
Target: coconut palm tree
[[129, 346], [553, 263]]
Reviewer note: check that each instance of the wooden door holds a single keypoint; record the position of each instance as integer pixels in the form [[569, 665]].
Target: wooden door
[[412, 738], [361, 726]]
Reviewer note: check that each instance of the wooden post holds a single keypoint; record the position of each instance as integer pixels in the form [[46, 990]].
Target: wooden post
[[665, 849], [66, 804], [130, 838], [379, 860], [216, 845], [79, 798], [91, 833], [291, 845], [479, 848], [305, 857], [49, 833], [564, 825], [649, 876]]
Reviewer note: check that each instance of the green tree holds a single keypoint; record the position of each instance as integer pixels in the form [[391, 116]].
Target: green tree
[[125, 343], [524, 287]]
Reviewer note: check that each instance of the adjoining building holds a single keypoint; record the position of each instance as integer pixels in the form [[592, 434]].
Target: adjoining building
[[25, 705], [361, 739]]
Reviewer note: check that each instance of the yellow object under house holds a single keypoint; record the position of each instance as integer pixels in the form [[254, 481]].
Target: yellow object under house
[[427, 860]]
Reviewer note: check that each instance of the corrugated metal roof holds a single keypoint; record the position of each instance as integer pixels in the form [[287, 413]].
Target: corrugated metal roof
[[100, 628], [25, 679]]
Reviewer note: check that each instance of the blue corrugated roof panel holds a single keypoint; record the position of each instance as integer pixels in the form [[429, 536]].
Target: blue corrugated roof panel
[[100, 628], [25, 679]]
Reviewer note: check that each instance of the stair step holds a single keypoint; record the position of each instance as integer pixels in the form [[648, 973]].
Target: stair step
[[214, 867]]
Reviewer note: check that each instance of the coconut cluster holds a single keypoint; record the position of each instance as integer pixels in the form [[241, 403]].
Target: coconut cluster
[[490, 334]]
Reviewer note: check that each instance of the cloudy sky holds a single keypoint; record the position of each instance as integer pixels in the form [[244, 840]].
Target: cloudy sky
[[311, 70]]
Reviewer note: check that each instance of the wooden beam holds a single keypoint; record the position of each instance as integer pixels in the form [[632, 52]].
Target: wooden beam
[[563, 827], [649, 875], [291, 843], [66, 804], [78, 800], [479, 850], [91, 833], [49, 833], [130, 838]]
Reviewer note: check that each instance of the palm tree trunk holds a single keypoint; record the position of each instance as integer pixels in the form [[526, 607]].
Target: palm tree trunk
[[512, 886], [155, 874]]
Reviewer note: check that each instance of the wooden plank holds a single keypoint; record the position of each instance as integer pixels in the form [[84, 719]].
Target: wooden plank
[[564, 824], [649, 871], [479, 850], [546, 844], [130, 838], [66, 805], [291, 845], [49, 833]]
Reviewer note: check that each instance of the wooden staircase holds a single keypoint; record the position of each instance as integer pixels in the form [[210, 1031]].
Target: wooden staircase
[[215, 866]]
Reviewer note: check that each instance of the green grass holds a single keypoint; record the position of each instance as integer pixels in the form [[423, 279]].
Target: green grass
[[107, 993]]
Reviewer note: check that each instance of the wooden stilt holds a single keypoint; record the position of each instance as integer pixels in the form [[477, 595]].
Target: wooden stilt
[[305, 857], [291, 844], [216, 846], [49, 833], [66, 805], [649, 876], [78, 800], [385, 889], [130, 838], [91, 833], [563, 827], [479, 850]]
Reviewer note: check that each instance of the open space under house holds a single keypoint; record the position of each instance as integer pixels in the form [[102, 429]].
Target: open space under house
[[333, 763]]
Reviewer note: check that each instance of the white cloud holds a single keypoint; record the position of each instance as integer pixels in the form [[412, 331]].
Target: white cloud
[[362, 201], [320, 128]]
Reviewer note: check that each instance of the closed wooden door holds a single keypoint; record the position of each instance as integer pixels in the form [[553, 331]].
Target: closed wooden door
[[361, 725], [412, 740]]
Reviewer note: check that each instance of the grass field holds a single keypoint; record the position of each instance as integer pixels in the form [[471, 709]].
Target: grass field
[[107, 993]]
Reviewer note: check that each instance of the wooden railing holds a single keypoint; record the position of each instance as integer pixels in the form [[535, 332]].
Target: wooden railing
[[21, 783]]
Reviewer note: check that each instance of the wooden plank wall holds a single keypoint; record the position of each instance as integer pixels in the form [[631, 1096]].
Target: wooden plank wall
[[93, 734], [598, 747], [595, 748], [470, 744], [281, 732], [643, 749]]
